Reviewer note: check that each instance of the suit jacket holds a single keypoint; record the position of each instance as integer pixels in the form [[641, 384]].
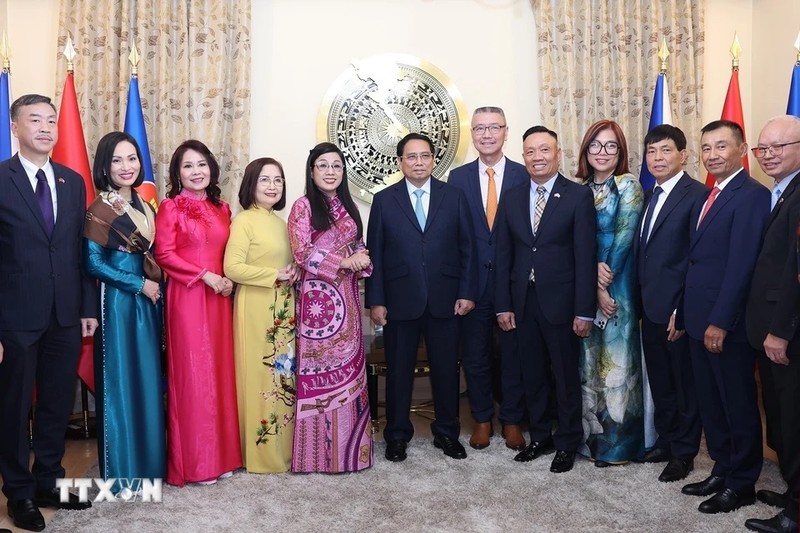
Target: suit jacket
[[772, 306], [661, 266], [466, 178], [722, 254], [563, 253], [414, 269], [40, 273]]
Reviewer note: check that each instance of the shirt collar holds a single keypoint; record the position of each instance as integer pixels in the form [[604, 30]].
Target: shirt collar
[[425, 187], [724, 183], [547, 185], [785, 182], [670, 184], [498, 167], [31, 168]]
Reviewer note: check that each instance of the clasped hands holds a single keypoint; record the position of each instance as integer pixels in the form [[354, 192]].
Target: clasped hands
[[357, 262], [220, 284], [290, 273]]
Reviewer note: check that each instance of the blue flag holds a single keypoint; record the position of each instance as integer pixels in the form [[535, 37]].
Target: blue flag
[[134, 125], [660, 114], [794, 93], [5, 118]]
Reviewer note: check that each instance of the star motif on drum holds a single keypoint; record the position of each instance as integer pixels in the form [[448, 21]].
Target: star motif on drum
[[324, 311]]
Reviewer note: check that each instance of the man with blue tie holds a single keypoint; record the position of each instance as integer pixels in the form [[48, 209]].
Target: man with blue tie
[[424, 278], [485, 183], [662, 256], [773, 317], [545, 290], [723, 251]]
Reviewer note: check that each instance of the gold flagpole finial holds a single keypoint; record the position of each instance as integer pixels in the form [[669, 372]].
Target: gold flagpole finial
[[736, 51], [69, 53], [6, 53], [797, 47], [663, 54], [133, 59]]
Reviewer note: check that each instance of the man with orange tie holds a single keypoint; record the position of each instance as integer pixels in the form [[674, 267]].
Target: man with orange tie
[[723, 249], [485, 181]]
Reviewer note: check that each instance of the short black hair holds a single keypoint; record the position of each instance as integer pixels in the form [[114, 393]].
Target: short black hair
[[29, 99], [662, 132], [247, 189], [101, 169], [411, 137], [738, 133], [539, 129]]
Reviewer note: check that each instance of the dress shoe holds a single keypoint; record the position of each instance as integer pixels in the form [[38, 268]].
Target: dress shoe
[[481, 435], [775, 499], [727, 500], [655, 455], [396, 450], [707, 487], [26, 515], [514, 438], [450, 447], [676, 470], [535, 449], [52, 498], [780, 523], [562, 462]]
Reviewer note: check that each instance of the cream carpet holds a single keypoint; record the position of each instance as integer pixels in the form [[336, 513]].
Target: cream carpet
[[487, 492]]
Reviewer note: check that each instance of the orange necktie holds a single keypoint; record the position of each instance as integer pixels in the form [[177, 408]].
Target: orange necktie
[[491, 198]]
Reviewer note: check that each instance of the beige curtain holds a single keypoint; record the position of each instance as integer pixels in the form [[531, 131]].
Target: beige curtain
[[194, 75], [598, 59]]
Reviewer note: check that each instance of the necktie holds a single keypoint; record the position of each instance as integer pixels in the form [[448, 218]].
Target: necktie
[[418, 209], [45, 199], [711, 197], [776, 195], [491, 198], [648, 219], [540, 201]]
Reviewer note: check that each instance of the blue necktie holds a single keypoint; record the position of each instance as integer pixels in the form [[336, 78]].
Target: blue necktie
[[418, 210], [776, 195], [45, 200], [648, 219]]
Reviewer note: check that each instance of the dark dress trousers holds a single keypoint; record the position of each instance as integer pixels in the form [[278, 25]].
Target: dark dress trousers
[[418, 274], [661, 272], [774, 307], [722, 254], [563, 255], [43, 295], [478, 326]]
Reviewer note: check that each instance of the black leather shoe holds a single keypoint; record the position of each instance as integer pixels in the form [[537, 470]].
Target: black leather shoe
[[707, 487], [779, 523], [52, 498], [775, 499], [676, 470], [450, 447], [26, 515], [562, 462], [727, 500], [655, 455], [534, 450], [396, 450]]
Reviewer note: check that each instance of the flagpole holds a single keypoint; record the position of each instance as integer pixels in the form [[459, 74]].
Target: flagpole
[[135, 126], [5, 102], [793, 107]]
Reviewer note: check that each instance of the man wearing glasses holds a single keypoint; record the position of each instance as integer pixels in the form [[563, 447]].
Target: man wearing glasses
[[485, 182], [773, 314], [424, 277]]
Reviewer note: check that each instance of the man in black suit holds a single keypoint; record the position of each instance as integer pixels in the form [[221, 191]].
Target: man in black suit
[[662, 258], [424, 277], [546, 284], [773, 315], [485, 183], [47, 304]]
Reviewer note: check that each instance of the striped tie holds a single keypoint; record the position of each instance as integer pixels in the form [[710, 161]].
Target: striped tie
[[540, 201]]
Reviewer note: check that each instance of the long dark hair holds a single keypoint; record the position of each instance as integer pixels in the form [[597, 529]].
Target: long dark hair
[[101, 170], [213, 192], [320, 211]]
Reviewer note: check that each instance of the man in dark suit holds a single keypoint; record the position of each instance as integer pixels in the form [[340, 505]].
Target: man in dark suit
[[424, 277], [773, 315], [47, 305], [722, 254], [545, 290], [485, 183], [662, 258]]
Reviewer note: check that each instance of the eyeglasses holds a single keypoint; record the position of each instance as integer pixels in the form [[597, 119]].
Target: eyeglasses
[[494, 129], [774, 149], [425, 157], [277, 181], [323, 166], [611, 147]]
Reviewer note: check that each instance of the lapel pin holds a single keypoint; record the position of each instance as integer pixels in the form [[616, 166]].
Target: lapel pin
[[61, 180], [557, 195]]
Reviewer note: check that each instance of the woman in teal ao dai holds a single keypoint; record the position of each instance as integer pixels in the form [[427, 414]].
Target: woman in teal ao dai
[[611, 358], [119, 230]]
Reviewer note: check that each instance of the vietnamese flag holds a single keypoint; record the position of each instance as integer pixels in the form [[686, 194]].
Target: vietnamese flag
[[732, 110]]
